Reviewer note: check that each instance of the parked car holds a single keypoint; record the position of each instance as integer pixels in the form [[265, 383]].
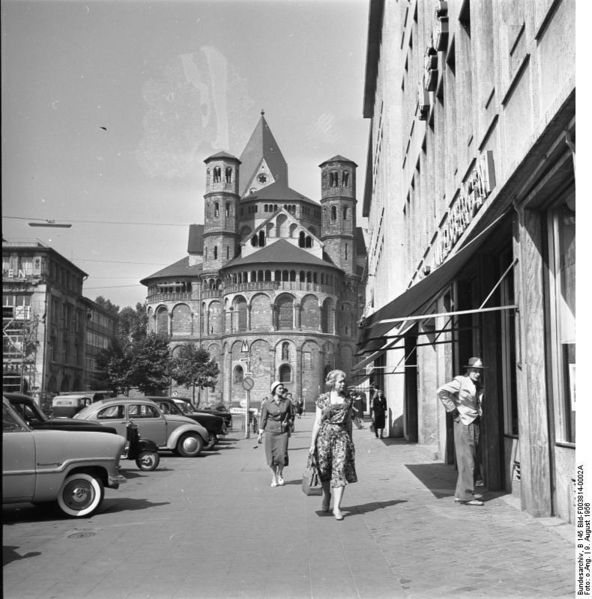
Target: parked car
[[32, 414], [70, 467], [219, 410], [65, 406], [170, 432], [212, 423]]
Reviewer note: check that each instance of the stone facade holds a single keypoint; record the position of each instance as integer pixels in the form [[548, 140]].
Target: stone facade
[[470, 198], [52, 333], [271, 283]]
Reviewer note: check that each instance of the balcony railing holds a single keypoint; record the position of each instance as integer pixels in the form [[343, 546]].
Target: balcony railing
[[170, 297]]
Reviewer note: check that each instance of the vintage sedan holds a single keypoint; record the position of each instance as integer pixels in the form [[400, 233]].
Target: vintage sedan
[[212, 423], [32, 414], [170, 432], [72, 468]]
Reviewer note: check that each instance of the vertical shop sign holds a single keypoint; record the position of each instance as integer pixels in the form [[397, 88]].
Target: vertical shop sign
[[469, 199]]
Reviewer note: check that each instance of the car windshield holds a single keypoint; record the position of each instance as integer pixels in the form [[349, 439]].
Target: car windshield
[[184, 407], [10, 421]]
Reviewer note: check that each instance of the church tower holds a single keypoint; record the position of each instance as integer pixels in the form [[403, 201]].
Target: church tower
[[338, 205], [221, 206]]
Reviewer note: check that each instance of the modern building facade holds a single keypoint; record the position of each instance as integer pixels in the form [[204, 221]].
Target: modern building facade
[[271, 283], [45, 320], [470, 196]]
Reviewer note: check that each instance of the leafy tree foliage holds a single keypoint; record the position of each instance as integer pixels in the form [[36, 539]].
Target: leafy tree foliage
[[150, 362], [193, 366], [132, 324], [107, 305]]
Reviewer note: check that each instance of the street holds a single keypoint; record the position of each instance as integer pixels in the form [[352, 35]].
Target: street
[[212, 527]]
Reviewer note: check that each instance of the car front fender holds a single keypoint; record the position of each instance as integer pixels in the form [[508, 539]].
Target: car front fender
[[187, 428]]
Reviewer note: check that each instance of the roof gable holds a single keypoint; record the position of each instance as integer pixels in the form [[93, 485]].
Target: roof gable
[[262, 146], [280, 252]]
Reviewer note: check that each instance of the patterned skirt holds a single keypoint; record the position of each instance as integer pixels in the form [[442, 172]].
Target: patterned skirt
[[336, 456]]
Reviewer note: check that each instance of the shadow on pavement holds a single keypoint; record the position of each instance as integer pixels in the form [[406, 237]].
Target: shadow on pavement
[[126, 504], [9, 554], [440, 479], [365, 508]]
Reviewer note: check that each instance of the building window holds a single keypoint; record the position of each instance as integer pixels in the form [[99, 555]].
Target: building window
[[333, 178], [345, 179], [216, 209], [238, 374], [217, 174], [562, 235], [215, 252], [285, 374], [333, 213], [228, 173]]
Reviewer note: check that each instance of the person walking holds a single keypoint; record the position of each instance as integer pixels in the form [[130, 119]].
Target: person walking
[[462, 397], [378, 413], [331, 444], [275, 421], [358, 408]]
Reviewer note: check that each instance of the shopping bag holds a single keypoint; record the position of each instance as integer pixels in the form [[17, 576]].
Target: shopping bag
[[311, 483]]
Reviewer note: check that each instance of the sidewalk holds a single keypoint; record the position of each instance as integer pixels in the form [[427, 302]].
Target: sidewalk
[[213, 527], [403, 534]]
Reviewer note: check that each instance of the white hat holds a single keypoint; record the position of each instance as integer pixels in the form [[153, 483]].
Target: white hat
[[274, 385]]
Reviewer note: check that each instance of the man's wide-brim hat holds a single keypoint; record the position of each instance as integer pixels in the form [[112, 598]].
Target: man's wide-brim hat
[[475, 362]]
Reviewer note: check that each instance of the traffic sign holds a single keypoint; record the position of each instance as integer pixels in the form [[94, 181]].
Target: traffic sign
[[248, 383]]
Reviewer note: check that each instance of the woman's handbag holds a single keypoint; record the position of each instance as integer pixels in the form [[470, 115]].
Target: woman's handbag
[[311, 482]]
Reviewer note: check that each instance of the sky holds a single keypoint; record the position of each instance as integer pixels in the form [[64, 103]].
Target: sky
[[110, 108]]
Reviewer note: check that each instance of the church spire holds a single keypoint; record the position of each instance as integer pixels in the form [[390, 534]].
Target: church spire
[[262, 162]]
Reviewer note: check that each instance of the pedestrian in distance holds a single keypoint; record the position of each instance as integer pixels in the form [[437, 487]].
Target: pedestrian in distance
[[331, 444], [378, 413], [358, 409], [462, 398], [275, 421]]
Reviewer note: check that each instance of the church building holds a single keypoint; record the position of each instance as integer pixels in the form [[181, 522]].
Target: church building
[[271, 284]]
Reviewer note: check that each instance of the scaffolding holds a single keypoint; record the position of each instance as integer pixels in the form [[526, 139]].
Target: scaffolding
[[19, 348]]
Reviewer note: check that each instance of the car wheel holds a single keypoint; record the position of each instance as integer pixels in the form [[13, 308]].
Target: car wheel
[[190, 445], [81, 495], [148, 460]]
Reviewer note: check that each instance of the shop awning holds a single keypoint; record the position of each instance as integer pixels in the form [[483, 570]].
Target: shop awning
[[417, 298]]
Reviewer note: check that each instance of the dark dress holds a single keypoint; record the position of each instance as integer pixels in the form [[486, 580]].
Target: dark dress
[[378, 411], [276, 420], [335, 450]]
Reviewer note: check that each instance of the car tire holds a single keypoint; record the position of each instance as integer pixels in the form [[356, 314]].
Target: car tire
[[81, 495], [213, 441], [190, 445], [148, 461]]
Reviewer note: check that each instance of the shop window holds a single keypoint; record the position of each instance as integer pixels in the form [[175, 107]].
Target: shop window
[[562, 225]]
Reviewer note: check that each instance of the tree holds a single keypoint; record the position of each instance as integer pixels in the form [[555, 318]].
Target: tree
[[116, 363], [132, 324], [107, 305], [150, 364], [193, 367]]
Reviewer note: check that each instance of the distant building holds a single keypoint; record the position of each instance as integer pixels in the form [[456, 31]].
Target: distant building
[[45, 321], [100, 330], [470, 198], [271, 283]]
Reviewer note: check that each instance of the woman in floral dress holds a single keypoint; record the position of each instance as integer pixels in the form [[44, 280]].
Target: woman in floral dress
[[332, 442]]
